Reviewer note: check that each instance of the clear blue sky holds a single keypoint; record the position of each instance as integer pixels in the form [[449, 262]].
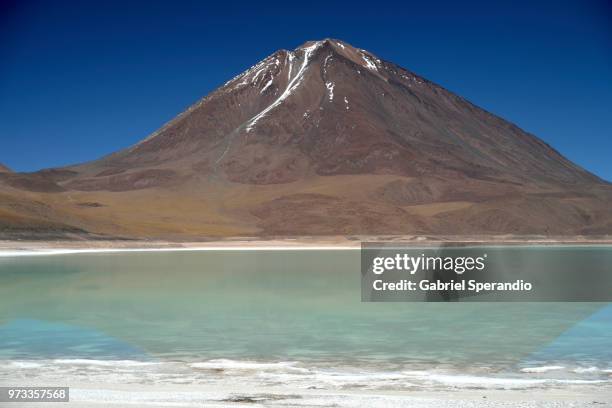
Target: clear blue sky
[[83, 79]]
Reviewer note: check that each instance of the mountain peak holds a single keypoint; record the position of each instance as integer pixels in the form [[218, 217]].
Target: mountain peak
[[327, 41], [327, 108], [4, 169], [357, 55]]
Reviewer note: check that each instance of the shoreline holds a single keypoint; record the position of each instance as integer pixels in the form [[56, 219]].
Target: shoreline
[[13, 248], [167, 395], [34, 248]]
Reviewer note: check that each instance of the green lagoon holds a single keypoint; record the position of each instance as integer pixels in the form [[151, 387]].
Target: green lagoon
[[278, 317]]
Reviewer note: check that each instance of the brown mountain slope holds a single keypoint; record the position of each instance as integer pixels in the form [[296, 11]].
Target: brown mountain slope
[[4, 169], [329, 139]]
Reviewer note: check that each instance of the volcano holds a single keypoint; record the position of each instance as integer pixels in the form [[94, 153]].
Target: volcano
[[327, 139]]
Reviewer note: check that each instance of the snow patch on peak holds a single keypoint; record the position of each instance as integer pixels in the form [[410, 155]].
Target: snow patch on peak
[[254, 80], [330, 88], [369, 63], [267, 85], [290, 58], [325, 63]]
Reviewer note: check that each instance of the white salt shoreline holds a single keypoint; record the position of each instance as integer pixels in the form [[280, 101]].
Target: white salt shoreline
[[101, 395], [67, 251], [40, 248]]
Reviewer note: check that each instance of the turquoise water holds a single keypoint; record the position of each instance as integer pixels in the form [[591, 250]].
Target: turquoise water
[[289, 316]]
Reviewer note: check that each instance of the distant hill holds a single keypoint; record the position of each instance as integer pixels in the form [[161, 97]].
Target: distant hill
[[327, 139]]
